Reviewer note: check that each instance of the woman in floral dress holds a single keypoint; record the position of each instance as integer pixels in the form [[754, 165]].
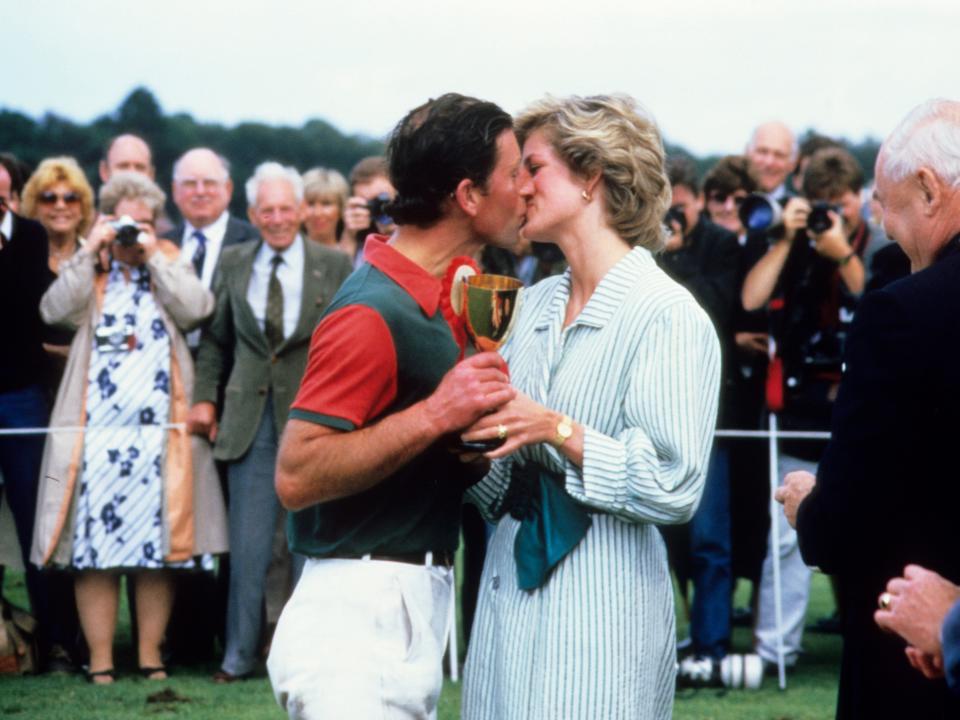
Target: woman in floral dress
[[131, 502]]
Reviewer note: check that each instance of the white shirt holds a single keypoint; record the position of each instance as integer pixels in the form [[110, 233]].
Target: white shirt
[[214, 233], [290, 275], [6, 226]]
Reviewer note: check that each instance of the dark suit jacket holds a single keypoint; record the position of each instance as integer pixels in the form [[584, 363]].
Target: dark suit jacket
[[24, 277], [234, 333], [887, 488]]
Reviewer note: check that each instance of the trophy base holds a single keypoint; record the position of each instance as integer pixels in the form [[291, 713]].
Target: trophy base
[[480, 446]]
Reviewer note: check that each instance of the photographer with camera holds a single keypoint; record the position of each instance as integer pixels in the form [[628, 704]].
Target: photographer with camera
[[133, 494], [704, 258], [371, 191], [810, 280]]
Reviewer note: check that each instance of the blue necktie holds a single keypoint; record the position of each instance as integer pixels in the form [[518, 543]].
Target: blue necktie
[[200, 254]]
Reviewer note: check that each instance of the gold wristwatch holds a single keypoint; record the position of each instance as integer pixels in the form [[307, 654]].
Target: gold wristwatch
[[564, 431]]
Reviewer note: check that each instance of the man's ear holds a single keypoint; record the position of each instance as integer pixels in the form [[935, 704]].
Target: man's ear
[[467, 197], [931, 188]]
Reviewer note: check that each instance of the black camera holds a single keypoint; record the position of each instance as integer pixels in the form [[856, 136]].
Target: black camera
[[675, 215], [818, 221], [128, 231], [378, 209]]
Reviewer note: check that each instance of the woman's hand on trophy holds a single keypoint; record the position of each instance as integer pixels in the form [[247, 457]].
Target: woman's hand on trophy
[[518, 423], [471, 389]]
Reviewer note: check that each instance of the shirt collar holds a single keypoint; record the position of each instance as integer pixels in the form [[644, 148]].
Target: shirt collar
[[292, 254], [620, 280], [6, 225], [419, 284], [214, 231]]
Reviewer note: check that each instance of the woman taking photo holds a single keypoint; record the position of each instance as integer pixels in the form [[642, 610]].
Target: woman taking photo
[[126, 498], [617, 371]]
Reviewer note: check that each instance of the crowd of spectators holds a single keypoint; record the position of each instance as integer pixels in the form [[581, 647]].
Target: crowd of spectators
[[208, 320]]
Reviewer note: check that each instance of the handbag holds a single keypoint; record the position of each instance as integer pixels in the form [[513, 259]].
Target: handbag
[[18, 640]]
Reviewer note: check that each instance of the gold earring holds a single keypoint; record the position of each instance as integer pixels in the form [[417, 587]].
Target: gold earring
[[585, 195]]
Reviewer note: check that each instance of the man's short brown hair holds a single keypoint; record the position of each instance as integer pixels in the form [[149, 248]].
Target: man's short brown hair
[[830, 173]]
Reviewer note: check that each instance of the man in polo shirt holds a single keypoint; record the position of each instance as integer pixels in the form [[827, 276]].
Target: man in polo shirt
[[365, 459]]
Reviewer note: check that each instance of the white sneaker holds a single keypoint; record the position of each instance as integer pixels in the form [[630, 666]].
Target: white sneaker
[[697, 671]]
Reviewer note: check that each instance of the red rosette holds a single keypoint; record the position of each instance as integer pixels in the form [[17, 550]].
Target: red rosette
[[459, 268]]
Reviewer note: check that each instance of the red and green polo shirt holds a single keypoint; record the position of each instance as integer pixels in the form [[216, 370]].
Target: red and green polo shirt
[[381, 346]]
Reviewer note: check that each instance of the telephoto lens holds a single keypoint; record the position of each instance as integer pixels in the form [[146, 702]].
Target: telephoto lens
[[760, 212]]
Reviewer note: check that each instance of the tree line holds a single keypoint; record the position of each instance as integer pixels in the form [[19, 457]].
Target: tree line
[[247, 144]]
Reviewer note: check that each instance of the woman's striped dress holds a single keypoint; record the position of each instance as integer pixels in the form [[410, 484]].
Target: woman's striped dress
[[640, 370]]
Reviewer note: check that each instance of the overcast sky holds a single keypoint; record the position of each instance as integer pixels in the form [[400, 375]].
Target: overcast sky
[[707, 70]]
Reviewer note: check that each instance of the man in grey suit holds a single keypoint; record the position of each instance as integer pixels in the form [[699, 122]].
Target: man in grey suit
[[270, 295]]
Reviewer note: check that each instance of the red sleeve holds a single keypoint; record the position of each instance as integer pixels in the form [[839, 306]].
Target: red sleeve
[[351, 373]]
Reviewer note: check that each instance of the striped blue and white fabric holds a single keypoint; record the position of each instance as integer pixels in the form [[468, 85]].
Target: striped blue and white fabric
[[639, 369], [119, 502]]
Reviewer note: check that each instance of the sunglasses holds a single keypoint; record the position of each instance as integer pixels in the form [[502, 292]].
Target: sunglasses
[[50, 198]]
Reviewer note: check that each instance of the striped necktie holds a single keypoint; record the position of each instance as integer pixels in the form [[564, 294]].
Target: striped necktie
[[200, 254], [273, 322]]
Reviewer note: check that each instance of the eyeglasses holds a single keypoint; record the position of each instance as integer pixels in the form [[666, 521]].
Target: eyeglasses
[[195, 183], [50, 198], [721, 197]]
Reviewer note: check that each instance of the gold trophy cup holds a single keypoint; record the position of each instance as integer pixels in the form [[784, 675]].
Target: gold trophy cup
[[488, 304]]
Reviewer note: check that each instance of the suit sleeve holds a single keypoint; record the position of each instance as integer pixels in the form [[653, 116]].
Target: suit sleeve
[[351, 375], [950, 638], [838, 520], [217, 345]]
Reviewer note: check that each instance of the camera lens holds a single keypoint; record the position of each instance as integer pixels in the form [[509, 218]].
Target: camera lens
[[759, 212], [818, 221]]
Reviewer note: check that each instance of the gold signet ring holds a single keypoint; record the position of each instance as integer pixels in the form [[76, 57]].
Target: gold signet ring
[[501, 432], [884, 601]]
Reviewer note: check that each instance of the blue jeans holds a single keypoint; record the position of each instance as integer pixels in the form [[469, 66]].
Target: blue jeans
[[710, 615], [20, 457]]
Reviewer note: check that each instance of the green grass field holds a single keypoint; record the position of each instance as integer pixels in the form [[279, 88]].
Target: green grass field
[[811, 692]]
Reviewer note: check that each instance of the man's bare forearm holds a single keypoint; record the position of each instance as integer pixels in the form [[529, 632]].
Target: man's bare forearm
[[317, 464]]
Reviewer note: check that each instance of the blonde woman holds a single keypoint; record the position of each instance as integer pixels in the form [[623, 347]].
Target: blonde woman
[[324, 197], [617, 371], [60, 198]]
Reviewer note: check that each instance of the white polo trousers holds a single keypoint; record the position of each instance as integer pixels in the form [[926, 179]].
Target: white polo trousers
[[362, 639]]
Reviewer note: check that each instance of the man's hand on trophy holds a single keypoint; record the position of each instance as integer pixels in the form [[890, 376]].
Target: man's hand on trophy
[[471, 389]]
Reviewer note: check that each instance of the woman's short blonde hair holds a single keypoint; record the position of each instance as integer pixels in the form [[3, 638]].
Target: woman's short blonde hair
[[54, 170], [325, 183], [612, 136], [131, 186]]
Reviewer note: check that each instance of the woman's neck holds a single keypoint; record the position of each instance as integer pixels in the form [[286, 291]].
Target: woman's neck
[[591, 251]]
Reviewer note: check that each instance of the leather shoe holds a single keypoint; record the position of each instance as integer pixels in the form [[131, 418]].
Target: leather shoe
[[222, 677]]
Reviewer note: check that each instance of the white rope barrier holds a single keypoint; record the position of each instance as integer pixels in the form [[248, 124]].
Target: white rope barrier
[[771, 435], [88, 428]]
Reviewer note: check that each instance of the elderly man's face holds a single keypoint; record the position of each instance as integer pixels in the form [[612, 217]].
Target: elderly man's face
[[277, 213], [770, 155], [202, 188], [903, 217]]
